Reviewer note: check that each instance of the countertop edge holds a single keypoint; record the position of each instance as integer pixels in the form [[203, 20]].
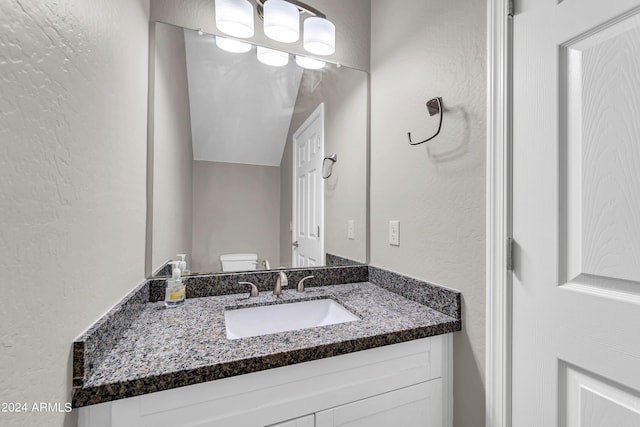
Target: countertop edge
[[86, 396]]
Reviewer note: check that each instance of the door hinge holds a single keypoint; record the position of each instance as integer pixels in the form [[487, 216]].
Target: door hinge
[[510, 8], [509, 254]]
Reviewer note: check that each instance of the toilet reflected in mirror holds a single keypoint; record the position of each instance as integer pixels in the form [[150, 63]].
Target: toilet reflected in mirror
[[238, 262]]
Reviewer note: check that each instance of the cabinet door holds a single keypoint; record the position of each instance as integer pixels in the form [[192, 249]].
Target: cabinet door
[[306, 421], [416, 406]]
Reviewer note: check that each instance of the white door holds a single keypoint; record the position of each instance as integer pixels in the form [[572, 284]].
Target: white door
[[576, 213], [308, 191]]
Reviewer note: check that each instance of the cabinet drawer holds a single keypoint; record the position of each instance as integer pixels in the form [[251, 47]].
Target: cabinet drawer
[[308, 421], [415, 406]]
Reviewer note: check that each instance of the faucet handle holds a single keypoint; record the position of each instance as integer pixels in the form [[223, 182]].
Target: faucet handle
[[284, 282], [300, 287], [254, 289], [281, 281]]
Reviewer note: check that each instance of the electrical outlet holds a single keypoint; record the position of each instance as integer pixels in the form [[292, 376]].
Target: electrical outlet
[[394, 233], [351, 229]]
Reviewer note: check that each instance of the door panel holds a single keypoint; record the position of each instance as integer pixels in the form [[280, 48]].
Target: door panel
[[601, 81], [308, 142], [302, 208], [576, 210], [592, 401]]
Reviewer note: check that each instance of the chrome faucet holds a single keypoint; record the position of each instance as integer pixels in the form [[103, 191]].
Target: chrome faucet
[[254, 289], [281, 282], [300, 287]]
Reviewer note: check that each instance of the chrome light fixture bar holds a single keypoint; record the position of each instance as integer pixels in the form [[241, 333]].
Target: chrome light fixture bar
[[302, 7], [281, 20]]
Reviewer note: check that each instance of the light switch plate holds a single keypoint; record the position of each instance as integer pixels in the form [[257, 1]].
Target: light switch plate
[[351, 229], [394, 233]]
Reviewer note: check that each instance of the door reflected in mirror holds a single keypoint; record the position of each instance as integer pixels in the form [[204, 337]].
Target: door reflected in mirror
[[237, 164]]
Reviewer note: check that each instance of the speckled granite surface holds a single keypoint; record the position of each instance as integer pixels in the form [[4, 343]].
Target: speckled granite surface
[[332, 260], [90, 348], [168, 348], [225, 284], [445, 300]]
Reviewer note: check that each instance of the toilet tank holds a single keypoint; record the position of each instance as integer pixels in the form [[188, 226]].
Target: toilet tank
[[239, 262]]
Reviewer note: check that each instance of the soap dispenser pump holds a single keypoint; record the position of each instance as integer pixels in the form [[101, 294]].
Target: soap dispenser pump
[[175, 293], [183, 264]]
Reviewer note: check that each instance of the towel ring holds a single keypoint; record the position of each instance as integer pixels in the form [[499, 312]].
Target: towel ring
[[434, 106], [334, 159]]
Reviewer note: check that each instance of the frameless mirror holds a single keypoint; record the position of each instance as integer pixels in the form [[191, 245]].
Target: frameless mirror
[[248, 158]]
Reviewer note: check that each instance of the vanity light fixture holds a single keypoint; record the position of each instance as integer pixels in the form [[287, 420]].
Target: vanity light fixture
[[272, 57], [235, 17], [231, 45], [281, 23], [309, 63]]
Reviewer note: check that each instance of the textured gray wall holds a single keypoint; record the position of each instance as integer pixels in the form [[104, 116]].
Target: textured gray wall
[[437, 190], [73, 126], [172, 149], [236, 209]]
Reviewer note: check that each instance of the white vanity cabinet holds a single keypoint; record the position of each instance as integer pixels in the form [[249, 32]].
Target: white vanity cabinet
[[407, 384]]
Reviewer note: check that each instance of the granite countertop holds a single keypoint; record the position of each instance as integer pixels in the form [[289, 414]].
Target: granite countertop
[[167, 348]]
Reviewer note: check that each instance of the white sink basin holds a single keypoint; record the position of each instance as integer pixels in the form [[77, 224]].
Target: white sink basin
[[264, 320]]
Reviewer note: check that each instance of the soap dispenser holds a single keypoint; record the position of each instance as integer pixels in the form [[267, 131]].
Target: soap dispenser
[[183, 264], [175, 293]]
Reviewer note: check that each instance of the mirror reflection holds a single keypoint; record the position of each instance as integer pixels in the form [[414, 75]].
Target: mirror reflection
[[254, 166]]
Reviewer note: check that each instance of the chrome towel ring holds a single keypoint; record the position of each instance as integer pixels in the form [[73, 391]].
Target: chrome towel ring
[[434, 106], [333, 158]]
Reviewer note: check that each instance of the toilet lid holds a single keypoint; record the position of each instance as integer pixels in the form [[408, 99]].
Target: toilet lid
[[238, 257]]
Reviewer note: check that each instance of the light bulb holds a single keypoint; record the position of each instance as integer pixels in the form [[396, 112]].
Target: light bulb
[[281, 21], [309, 63], [233, 46], [319, 36], [272, 57], [235, 17]]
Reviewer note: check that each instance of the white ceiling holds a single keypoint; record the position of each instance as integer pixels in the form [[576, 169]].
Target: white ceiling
[[240, 108]]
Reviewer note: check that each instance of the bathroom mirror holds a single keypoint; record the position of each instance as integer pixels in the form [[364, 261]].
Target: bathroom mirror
[[224, 131]]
